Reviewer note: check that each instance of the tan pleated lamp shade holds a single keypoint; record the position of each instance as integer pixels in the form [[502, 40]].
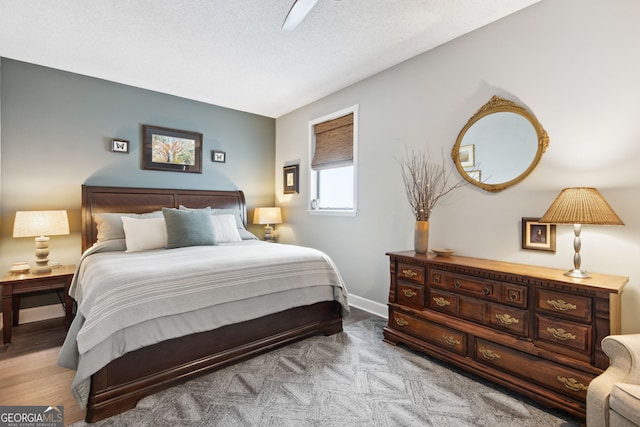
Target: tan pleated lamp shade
[[580, 205]]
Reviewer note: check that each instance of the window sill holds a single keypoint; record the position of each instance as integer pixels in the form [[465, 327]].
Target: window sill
[[332, 212]]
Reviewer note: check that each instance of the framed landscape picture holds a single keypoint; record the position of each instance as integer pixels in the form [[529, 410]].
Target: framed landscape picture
[[172, 150]]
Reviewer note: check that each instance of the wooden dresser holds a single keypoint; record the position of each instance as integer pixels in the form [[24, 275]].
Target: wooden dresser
[[528, 328]]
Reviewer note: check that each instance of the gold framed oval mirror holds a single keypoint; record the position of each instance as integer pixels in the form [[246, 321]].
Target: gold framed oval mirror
[[499, 146]]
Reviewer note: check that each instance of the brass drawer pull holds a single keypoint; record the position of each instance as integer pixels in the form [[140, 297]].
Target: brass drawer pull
[[486, 290], [561, 334], [488, 354], [514, 295], [507, 319], [572, 384], [560, 304], [409, 273], [441, 302], [401, 322], [409, 293], [436, 278], [450, 340]]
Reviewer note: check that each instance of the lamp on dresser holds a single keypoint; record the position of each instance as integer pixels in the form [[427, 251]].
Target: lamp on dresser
[[268, 216], [41, 225], [578, 206]]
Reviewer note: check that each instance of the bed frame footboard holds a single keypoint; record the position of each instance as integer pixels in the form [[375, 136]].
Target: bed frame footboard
[[122, 383]]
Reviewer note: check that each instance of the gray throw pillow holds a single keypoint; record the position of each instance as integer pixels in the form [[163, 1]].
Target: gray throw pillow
[[188, 228]]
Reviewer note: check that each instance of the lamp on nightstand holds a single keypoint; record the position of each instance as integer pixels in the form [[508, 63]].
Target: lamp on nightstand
[[41, 225], [267, 216], [577, 206]]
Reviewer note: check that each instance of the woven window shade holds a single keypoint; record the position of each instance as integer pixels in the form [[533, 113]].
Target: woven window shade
[[334, 143], [580, 205]]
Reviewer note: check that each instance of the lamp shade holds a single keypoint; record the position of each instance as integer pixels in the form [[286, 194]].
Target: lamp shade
[[580, 205], [40, 223], [267, 216]]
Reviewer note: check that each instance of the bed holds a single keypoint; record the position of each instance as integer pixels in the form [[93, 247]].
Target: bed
[[211, 316]]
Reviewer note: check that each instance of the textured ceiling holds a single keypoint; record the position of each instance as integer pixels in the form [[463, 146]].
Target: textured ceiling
[[234, 53]]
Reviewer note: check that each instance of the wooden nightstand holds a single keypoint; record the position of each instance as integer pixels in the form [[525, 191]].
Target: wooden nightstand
[[15, 285]]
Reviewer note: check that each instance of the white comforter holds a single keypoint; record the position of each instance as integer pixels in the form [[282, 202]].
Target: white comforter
[[130, 300]]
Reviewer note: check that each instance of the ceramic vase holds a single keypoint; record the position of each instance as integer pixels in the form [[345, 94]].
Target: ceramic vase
[[421, 237]]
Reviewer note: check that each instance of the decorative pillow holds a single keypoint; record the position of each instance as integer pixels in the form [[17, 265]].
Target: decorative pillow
[[244, 234], [144, 234], [188, 227], [109, 224], [225, 229]]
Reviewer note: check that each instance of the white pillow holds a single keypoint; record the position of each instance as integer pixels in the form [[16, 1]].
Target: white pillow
[[225, 228], [144, 234]]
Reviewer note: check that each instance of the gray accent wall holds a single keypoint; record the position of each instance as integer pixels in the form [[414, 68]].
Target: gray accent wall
[[56, 135]]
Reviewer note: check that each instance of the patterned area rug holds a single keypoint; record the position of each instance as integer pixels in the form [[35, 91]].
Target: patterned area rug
[[349, 379]]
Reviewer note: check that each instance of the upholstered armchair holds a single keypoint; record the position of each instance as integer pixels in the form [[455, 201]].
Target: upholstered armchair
[[613, 398]]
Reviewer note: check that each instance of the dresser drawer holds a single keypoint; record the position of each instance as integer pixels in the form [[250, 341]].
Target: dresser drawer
[[562, 379], [409, 294], [509, 319], [434, 333], [514, 294], [564, 304], [566, 334], [485, 290], [472, 309], [437, 278], [414, 273], [443, 301]]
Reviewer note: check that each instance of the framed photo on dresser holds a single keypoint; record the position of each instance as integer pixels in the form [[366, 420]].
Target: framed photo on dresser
[[538, 236]]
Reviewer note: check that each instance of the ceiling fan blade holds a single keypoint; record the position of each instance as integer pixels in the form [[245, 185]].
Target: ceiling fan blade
[[298, 11]]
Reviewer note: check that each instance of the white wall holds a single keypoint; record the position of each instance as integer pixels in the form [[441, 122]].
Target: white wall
[[573, 63]]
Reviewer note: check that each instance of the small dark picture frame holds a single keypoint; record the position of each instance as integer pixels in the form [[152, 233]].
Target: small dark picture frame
[[290, 179], [120, 146], [218, 156], [172, 150], [538, 236]]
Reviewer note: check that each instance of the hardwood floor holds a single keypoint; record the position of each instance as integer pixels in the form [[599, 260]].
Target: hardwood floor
[[29, 374]]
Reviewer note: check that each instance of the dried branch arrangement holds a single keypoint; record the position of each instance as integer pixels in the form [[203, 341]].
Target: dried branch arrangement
[[425, 181]]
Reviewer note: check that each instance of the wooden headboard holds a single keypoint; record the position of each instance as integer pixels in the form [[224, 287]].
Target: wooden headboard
[[141, 200]]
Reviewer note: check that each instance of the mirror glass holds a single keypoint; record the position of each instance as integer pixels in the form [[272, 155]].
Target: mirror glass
[[499, 146]]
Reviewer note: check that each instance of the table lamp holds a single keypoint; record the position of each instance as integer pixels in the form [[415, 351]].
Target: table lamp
[[41, 225], [267, 216], [577, 206]]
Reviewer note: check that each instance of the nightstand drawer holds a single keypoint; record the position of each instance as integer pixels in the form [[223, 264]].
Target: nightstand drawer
[[414, 273], [439, 335], [564, 305], [409, 294]]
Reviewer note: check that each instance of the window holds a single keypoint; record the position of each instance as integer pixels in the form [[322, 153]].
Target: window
[[333, 173]]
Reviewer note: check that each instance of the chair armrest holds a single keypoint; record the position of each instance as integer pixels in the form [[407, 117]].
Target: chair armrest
[[624, 366]]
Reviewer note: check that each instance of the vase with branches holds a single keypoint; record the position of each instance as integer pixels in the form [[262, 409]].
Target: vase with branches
[[426, 181]]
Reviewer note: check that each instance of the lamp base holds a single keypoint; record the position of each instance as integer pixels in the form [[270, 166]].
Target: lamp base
[[42, 256], [577, 273]]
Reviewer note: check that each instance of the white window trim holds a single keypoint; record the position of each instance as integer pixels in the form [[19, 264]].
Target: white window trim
[[312, 179]]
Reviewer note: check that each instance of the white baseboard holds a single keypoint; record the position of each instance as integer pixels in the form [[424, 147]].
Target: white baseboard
[[369, 306], [35, 314]]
